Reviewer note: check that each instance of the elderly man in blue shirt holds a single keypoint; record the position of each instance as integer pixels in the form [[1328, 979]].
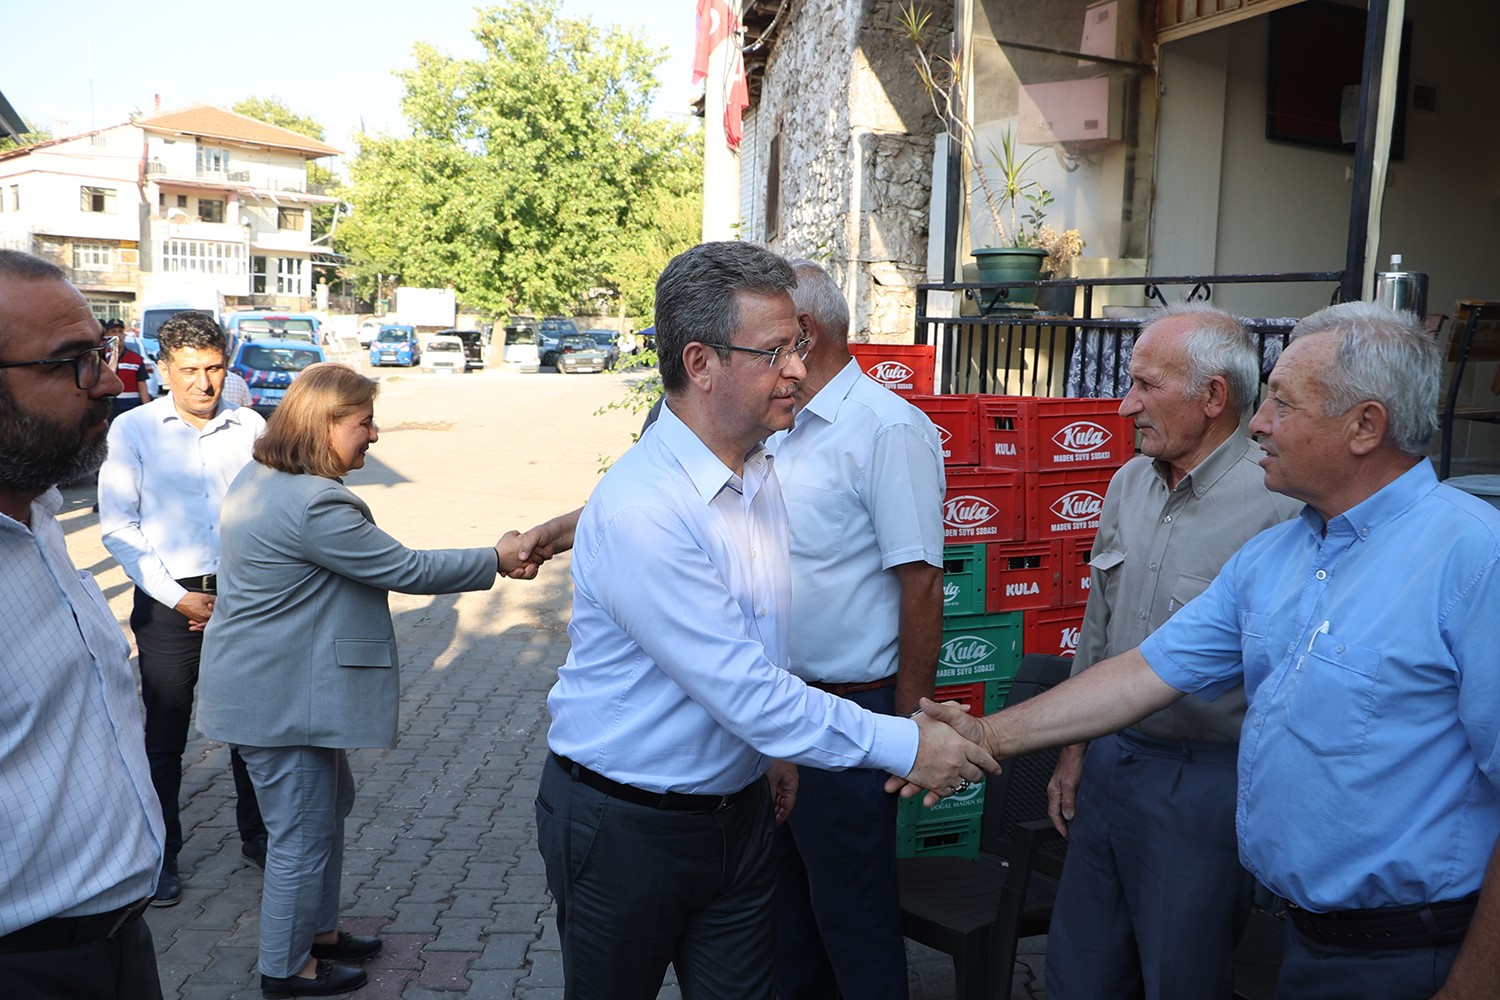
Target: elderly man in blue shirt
[[654, 813], [1365, 632]]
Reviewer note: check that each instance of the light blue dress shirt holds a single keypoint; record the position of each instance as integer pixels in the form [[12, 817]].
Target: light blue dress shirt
[[162, 487], [1371, 659], [862, 473], [80, 828], [677, 678]]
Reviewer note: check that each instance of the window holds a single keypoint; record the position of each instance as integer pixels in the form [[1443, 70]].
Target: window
[[290, 218], [289, 276], [15, 197], [210, 210], [213, 160], [257, 275], [202, 257], [182, 201], [93, 257], [95, 199], [773, 188]]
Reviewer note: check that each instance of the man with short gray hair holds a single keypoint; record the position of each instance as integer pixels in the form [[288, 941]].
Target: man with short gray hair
[[862, 472], [1364, 632], [1153, 898]]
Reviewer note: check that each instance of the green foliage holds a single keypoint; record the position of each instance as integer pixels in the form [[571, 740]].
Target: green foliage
[[640, 393], [533, 178], [275, 111], [7, 143]]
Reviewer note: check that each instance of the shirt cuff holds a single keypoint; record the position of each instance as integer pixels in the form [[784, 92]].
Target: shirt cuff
[[895, 748]]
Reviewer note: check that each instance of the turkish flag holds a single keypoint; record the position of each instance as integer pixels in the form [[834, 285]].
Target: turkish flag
[[716, 22], [737, 100]]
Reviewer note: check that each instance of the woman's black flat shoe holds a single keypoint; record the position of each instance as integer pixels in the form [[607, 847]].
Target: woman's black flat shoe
[[348, 948], [330, 981]]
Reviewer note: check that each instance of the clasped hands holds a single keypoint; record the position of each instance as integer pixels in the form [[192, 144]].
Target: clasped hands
[[522, 553], [952, 755]]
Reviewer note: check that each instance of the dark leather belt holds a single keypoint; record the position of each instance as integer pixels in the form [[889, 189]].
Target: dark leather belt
[[670, 801], [854, 687], [208, 583], [1428, 926], [69, 932]]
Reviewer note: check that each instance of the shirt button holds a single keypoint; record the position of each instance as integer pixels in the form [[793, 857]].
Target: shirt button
[[1167, 519], [1339, 647], [762, 612], [1321, 574], [1143, 616], [1154, 567]]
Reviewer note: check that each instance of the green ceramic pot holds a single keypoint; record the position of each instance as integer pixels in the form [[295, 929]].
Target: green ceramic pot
[[1002, 264]]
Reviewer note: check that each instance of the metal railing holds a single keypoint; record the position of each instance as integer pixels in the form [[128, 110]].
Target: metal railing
[[994, 345]]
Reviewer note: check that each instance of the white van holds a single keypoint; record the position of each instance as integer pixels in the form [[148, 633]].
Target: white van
[[521, 344], [444, 352]]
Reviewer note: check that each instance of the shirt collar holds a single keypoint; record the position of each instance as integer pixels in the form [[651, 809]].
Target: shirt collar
[[708, 474], [1383, 507], [225, 413], [1216, 466], [826, 403]]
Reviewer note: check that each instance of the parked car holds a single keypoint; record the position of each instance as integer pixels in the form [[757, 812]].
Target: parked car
[[579, 353], [476, 345], [367, 331], [609, 343], [553, 329], [268, 367], [521, 343], [259, 324], [395, 344], [444, 352]]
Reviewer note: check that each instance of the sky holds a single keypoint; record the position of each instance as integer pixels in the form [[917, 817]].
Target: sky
[[76, 65]]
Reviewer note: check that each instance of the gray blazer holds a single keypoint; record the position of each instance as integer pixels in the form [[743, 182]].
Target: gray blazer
[[300, 650]]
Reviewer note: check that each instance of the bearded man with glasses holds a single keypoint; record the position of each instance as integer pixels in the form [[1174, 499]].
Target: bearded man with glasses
[[82, 837]]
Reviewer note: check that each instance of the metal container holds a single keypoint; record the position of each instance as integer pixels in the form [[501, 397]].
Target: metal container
[[1401, 290]]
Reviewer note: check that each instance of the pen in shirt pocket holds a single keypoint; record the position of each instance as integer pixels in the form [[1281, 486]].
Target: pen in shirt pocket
[[1320, 630]]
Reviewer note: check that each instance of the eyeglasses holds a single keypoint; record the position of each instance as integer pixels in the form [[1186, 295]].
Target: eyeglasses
[[87, 367], [774, 359]]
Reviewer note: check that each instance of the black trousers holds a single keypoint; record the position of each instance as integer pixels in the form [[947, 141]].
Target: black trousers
[[119, 968], [640, 888], [169, 654]]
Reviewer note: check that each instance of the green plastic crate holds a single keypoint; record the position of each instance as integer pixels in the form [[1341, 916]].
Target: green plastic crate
[[980, 648], [963, 580], [948, 836]]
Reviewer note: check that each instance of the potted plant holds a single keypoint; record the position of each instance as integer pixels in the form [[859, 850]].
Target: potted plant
[[1026, 248]]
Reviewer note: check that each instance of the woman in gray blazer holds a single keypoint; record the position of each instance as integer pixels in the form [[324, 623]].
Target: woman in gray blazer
[[299, 657]]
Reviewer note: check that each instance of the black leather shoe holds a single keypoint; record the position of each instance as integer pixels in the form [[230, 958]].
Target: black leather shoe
[[254, 851], [348, 948], [330, 981], [168, 887]]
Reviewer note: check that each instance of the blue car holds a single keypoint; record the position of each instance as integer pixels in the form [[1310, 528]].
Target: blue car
[[395, 344], [268, 367]]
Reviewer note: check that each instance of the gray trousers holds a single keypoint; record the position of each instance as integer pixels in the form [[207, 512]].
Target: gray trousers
[[305, 793]]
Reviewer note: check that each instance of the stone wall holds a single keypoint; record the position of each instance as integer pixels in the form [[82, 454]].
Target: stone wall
[[856, 155]]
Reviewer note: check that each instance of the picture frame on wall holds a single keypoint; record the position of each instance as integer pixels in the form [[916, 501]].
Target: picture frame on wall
[[1315, 67]]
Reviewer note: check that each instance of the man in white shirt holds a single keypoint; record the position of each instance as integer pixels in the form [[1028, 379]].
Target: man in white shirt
[[862, 473], [160, 491], [80, 834], [654, 815]]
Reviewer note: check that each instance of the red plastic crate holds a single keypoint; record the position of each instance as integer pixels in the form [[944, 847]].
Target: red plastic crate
[[1051, 631], [1065, 504], [905, 369], [1075, 569], [983, 506], [957, 425], [1042, 434], [1023, 575]]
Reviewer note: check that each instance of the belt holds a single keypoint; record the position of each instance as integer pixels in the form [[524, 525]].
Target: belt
[[1425, 926], [69, 932], [669, 801], [854, 687], [208, 583]]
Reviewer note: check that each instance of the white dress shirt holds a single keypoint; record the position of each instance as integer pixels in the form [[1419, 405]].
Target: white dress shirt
[[236, 390], [161, 489], [862, 472], [677, 678], [80, 828]]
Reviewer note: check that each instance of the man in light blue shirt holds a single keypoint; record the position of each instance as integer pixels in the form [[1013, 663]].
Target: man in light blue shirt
[[862, 473], [160, 492], [80, 833], [1365, 632], [654, 815]]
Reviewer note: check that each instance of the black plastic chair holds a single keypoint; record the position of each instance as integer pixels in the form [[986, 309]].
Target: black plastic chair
[[977, 910]]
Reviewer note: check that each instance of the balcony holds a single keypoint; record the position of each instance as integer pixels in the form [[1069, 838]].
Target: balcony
[[990, 343]]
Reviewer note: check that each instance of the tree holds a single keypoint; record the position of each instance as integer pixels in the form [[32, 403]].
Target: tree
[[533, 175], [7, 143], [320, 179]]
